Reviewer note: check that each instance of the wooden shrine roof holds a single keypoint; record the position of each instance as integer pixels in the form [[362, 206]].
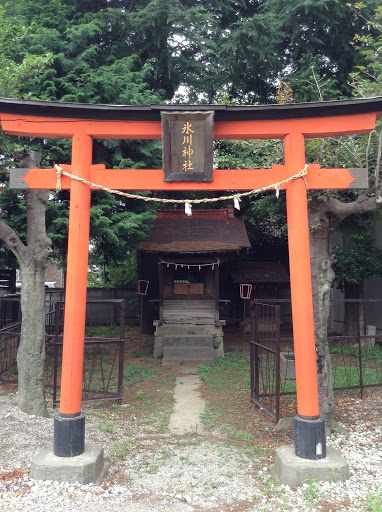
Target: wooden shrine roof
[[260, 272], [222, 112], [205, 231]]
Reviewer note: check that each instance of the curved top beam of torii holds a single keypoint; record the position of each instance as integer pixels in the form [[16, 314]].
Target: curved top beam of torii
[[63, 120], [309, 120], [222, 112]]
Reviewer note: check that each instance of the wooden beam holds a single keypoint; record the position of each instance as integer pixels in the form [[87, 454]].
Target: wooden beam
[[52, 127], [317, 127], [76, 281], [301, 284], [224, 179], [33, 126]]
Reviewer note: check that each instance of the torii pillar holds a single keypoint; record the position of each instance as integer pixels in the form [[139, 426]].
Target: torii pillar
[[69, 433]]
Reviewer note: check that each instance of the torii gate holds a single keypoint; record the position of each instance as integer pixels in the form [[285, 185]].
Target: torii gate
[[292, 123]]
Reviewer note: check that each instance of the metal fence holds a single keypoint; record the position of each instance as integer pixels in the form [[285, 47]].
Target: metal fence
[[103, 357], [265, 357], [9, 344], [356, 361]]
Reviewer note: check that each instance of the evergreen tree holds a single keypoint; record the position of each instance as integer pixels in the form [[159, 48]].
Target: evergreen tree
[[318, 49], [91, 62]]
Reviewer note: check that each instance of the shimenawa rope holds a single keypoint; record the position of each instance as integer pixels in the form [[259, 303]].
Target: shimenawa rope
[[187, 202]]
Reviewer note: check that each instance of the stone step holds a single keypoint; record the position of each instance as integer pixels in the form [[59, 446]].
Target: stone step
[[197, 341], [188, 355], [188, 329], [180, 320]]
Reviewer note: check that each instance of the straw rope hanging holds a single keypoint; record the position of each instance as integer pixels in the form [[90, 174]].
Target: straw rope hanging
[[187, 202]]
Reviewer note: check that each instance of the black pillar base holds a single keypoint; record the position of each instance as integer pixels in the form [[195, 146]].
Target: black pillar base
[[69, 436], [309, 438]]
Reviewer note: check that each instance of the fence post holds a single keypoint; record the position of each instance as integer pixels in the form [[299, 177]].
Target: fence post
[[121, 349], [360, 359], [256, 367], [277, 355], [251, 348], [55, 364]]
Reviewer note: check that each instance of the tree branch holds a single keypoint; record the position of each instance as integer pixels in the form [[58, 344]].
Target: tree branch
[[13, 242], [362, 204]]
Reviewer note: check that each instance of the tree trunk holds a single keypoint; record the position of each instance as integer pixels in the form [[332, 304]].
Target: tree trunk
[[32, 258], [31, 352], [322, 278], [324, 216]]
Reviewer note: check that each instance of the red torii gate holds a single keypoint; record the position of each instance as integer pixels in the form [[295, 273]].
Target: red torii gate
[[292, 123]]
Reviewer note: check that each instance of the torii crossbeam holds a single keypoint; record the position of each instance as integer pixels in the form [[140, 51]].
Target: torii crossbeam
[[292, 123]]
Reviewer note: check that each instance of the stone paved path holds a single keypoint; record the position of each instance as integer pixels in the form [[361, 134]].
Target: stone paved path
[[188, 407]]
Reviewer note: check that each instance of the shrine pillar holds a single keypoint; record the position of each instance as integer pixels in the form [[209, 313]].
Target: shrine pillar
[[309, 428], [69, 424]]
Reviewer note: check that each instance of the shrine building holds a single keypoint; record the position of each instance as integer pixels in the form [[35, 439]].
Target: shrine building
[[181, 258]]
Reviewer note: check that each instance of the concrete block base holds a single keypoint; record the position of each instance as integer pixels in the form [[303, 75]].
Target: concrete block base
[[158, 346], [294, 471], [84, 469], [287, 366]]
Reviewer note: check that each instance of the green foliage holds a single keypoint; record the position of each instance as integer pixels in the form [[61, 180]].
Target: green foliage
[[248, 154], [266, 227], [117, 227], [319, 33], [311, 81], [374, 500], [120, 448], [103, 51], [243, 436], [343, 376], [311, 491], [361, 259], [367, 79], [102, 331], [230, 368], [95, 280], [123, 274], [78, 52], [264, 215], [134, 373], [17, 67], [250, 56], [167, 50], [209, 416]]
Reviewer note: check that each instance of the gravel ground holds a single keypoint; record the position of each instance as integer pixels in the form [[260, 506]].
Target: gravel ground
[[155, 471]]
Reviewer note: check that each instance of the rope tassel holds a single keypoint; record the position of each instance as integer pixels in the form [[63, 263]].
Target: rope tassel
[[188, 208], [59, 171]]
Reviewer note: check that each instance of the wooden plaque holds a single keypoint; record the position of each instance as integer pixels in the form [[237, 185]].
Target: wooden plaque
[[187, 139]]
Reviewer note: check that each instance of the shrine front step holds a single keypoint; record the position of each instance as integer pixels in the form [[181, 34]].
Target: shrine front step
[[188, 350], [188, 338], [187, 329]]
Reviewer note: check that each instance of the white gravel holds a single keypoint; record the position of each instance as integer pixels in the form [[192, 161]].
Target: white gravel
[[152, 471]]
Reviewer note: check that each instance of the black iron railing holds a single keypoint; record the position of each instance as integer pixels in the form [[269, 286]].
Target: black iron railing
[[104, 349], [356, 361], [103, 355]]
